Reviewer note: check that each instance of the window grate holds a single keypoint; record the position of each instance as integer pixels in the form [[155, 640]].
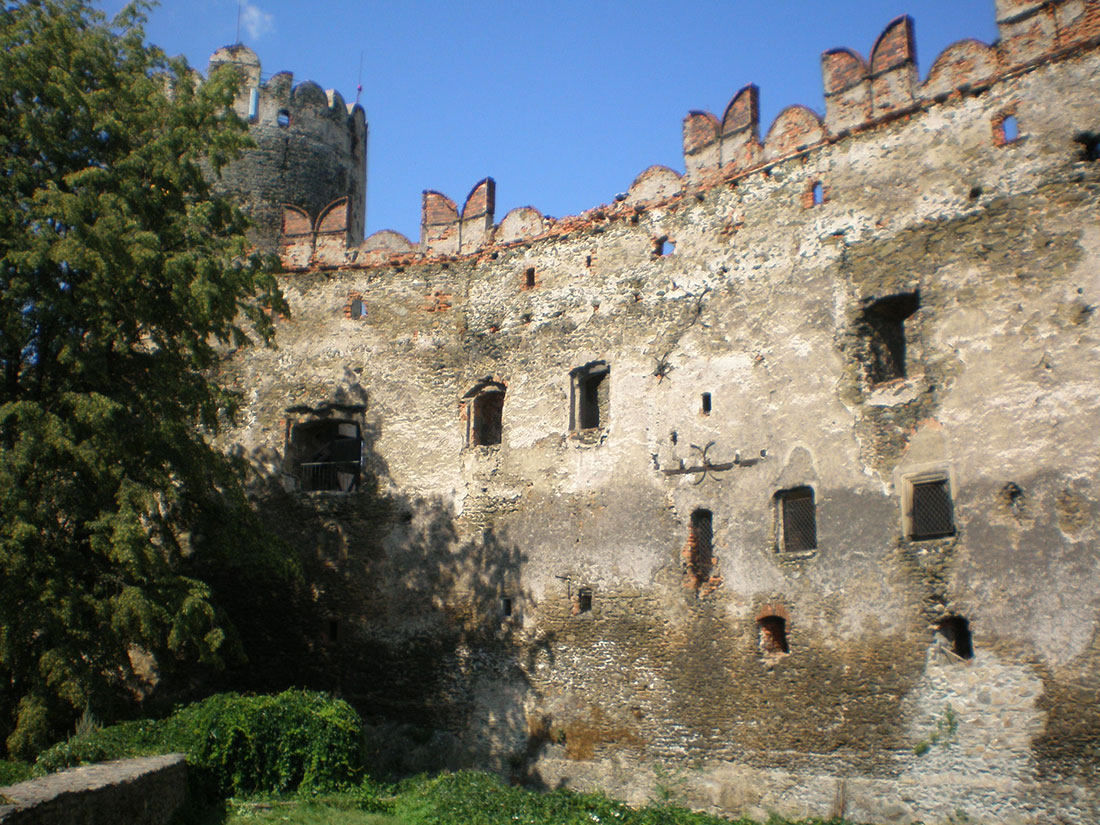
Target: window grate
[[702, 544], [933, 515], [799, 520]]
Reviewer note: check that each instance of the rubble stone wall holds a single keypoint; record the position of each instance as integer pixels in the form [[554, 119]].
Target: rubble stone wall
[[144, 791], [920, 327]]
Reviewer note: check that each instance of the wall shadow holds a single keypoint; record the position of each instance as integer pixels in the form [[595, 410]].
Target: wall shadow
[[398, 606]]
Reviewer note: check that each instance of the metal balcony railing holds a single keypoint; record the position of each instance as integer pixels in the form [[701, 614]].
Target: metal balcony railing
[[335, 476]]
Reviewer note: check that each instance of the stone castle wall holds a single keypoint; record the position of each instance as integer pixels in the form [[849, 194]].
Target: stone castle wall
[[884, 322]]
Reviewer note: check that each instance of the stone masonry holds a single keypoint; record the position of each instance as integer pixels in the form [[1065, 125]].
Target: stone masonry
[[145, 791], [771, 486]]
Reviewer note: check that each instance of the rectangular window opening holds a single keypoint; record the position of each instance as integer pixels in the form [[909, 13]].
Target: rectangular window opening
[[488, 423], [584, 600], [932, 512], [882, 328], [326, 455], [706, 403], [591, 402], [701, 546], [798, 524]]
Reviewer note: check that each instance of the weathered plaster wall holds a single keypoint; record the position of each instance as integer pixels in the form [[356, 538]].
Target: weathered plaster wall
[[664, 681]]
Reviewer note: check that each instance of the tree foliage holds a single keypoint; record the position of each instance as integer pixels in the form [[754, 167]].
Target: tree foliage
[[121, 278]]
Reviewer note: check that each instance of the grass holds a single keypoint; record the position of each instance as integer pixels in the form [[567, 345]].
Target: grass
[[465, 798], [328, 811]]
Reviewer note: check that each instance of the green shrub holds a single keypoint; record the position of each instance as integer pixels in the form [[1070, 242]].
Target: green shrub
[[127, 739], [12, 772], [292, 741], [237, 745]]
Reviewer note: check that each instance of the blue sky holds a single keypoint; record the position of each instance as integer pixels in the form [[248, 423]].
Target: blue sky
[[562, 103]]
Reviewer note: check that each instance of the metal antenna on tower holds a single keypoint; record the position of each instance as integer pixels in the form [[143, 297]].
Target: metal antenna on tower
[[359, 87], [238, 21]]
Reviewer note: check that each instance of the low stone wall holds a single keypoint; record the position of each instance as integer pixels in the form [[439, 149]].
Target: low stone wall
[[143, 791]]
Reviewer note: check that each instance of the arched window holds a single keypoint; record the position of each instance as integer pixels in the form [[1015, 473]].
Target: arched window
[[484, 413], [773, 635]]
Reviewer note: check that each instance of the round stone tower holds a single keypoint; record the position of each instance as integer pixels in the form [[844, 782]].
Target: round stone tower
[[311, 151]]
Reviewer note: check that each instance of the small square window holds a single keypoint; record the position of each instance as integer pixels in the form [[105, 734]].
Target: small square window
[[931, 512], [584, 600]]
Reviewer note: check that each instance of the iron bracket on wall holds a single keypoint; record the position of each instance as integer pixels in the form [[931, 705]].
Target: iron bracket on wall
[[708, 467]]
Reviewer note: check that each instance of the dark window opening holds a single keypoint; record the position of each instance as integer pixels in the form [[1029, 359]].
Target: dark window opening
[[882, 326], [773, 634], [1090, 145], [798, 519], [817, 194], [1010, 129], [975, 192], [663, 246], [955, 633], [701, 545], [529, 278], [584, 600], [706, 403], [333, 631], [505, 606], [283, 118], [488, 415], [590, 396], [326, 455], [357, 309], [932, 515]]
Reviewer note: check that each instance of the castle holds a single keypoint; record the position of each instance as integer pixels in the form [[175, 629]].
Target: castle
[[771, 484]]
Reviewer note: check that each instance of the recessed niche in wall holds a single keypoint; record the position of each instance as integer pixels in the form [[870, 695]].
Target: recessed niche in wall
[[773, 635], [954, 633], [584, 600]]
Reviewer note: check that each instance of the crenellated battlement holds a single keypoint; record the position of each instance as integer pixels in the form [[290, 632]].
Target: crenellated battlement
[[859, 95], [311, 151]]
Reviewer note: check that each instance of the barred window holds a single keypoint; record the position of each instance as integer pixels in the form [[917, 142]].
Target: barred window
[[797, 517], [931, 511], [701, 545], [325, 455]]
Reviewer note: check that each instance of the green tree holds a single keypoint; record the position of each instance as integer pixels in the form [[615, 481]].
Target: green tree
[[122, 279]]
